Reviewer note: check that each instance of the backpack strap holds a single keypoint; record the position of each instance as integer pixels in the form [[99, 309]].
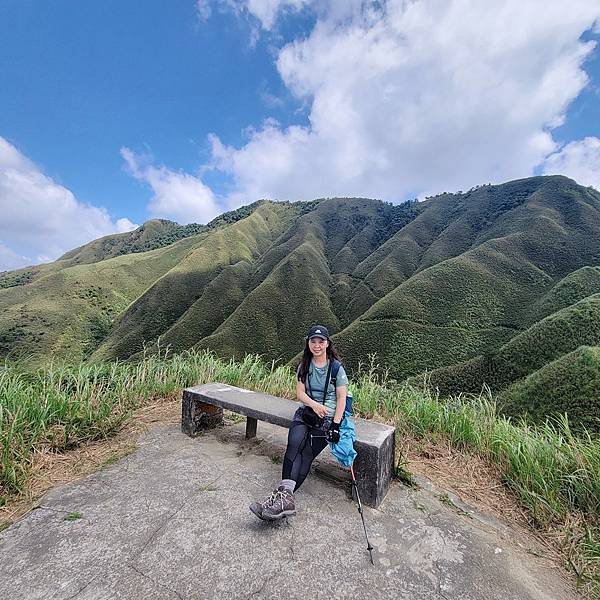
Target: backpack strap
[[334, 371]]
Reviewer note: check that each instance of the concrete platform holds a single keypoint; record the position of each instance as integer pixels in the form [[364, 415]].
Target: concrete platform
[[172, 521]]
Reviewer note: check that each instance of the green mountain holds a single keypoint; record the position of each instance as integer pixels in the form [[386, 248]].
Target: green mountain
[[569, 385], [546, 340], [153, 234], [489, 286]]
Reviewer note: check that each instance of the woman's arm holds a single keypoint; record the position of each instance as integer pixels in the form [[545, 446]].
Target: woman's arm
[[340, 403], [301, 395]]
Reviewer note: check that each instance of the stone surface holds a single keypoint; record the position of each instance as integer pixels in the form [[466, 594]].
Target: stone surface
[[374, 469], [196, 416], [263, 407], [172, 521], [374, 465]]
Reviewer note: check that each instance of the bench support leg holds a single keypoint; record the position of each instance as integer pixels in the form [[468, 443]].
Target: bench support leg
[[374, 469], [196, 415], [251, 427]]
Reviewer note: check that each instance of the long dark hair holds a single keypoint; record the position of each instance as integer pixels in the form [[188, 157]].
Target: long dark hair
[[307, 357]]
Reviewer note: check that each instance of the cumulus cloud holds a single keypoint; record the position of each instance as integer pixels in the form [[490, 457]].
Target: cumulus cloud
[[40, 219], [411, 98], [266, 12], [176, 195], [579, 160]]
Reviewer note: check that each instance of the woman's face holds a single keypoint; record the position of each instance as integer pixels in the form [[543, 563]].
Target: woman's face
[[318, 346]]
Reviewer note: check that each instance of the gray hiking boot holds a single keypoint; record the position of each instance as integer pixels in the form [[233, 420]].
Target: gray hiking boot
[[280, 503], [257, 507]]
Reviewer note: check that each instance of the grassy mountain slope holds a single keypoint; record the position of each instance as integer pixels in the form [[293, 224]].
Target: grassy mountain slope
[[170, 297], [571, 289], [65, 313], [293, 281], [521, 238], [545, 341], [569, 384], [490, 285], [27, 275], [149, 236], [153, 234], [264, 321]]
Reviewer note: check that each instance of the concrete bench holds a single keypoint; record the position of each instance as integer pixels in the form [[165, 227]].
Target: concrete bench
[[203, 405]]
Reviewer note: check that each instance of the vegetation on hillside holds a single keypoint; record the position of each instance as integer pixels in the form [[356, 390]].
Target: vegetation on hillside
[[570, 384], [153, 234], [484, 287], [546, 340], [64, 313], [165, 303], [14, 278]]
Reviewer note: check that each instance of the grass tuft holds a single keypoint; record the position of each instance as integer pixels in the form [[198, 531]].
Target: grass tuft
[[72, 516]]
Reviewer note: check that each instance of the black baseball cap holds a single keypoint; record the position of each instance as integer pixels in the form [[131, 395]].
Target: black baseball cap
[[318, 331]]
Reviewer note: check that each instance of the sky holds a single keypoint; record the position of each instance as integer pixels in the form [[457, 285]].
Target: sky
[[116, 112]]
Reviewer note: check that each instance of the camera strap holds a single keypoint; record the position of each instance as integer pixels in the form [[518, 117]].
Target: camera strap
[[327, 380]]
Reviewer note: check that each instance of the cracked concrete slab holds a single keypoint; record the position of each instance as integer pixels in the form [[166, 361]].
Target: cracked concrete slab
[[172, 521]]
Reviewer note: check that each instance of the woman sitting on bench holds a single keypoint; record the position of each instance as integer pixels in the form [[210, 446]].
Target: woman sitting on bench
[[321, 386]]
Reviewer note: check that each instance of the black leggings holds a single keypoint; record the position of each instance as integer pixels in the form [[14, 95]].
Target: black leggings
[[304, 445]]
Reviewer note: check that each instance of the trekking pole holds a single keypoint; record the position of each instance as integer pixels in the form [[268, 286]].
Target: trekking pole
[[360, 510]]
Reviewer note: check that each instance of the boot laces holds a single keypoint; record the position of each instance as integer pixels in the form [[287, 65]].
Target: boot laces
[[276, 495]]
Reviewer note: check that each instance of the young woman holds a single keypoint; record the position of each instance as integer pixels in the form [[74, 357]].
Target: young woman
[[313, 425]]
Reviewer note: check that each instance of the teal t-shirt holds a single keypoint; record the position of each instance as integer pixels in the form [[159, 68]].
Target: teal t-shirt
[[317, 377]]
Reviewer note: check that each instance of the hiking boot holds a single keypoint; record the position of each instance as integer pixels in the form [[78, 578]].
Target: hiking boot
[[280, 503], [257, 507]]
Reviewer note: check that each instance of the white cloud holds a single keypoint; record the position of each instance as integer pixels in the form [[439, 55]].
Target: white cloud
[[203, 9], [265, 11], [411, 98], [177, 195], [123, 225], [10, 260], [579, 160], [40, 219]]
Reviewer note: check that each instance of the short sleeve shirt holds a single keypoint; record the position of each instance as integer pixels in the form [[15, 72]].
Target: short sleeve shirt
[[316, 384]]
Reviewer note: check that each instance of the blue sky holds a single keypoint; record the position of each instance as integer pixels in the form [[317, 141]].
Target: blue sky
[[83, 79], [115, 112]]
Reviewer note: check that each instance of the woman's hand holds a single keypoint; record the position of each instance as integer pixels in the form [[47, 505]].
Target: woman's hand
[[301, 395], [333, 433], [320, 409]]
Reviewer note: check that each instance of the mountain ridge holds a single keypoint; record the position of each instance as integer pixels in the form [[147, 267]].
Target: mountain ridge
[[426, 286]]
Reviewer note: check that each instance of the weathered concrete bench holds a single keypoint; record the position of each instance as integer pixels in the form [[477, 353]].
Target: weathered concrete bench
[[203, 405]]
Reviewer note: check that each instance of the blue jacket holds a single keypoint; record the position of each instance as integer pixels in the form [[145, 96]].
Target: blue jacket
[[344, 450]]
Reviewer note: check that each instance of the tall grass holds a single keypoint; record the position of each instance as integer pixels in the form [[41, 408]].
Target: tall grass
[[63, 406], [553, 472]]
